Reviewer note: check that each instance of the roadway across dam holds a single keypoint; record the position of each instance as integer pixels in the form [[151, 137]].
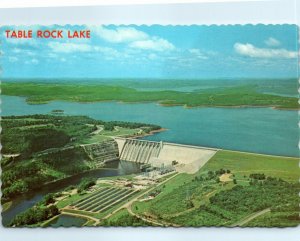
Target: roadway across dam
[[188, 158]]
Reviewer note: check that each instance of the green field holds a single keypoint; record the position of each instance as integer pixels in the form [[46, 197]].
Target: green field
[[257, 183], [245, 163], [125, 219], [246, 95]]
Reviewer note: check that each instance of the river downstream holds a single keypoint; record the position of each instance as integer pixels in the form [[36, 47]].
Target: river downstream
[[30, 199]]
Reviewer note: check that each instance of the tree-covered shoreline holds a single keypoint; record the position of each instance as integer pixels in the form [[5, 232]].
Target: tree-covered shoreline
[[38, 149], [236, 96]]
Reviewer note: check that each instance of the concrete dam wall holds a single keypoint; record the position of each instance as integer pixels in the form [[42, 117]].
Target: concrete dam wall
[[188, 158], [139, 151]]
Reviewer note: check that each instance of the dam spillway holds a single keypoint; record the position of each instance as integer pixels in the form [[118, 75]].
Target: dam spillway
[[187, 158], [140, 151]]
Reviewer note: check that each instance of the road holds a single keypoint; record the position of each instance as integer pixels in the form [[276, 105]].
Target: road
[[250, 217]]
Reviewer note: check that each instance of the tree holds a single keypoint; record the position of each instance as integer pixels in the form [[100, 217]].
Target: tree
[[85, 184], [35, 215], [109, 126], [53, 211], [49, 198]]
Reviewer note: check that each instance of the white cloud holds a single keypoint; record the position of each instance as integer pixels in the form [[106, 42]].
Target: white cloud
[[175, 58], [110, 53], [69, 47], [197, 53], [254, 52], [106, 50], [152, 56], [32, 61], [120, 35], [134, 38], [16, 50], [12, 59], [194, 51], [155, 43], [52, 55], [30, 53], [90, 50], [72, 47], [272, 42], [19, 51]]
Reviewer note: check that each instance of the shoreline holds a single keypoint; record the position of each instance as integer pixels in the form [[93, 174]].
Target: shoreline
[[155, 102], [231, 106], [6, 206], [151, 133]]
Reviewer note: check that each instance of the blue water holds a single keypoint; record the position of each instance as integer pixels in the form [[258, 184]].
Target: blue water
[[259, 130], [67, 221]]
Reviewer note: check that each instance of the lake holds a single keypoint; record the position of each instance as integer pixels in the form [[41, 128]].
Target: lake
[[259, 130]]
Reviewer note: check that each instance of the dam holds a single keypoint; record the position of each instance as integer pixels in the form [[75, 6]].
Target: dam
[[186, 157]]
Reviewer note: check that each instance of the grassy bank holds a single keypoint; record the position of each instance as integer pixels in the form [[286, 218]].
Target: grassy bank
[[38, 93]]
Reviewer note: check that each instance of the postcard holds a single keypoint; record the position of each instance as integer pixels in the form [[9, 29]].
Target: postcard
[[150, 125]]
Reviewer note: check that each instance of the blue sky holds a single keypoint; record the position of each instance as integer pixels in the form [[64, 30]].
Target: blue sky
[[250, 51]]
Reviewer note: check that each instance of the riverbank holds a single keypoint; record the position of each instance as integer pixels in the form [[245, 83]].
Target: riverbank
[[6, 206], [29, 199]]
